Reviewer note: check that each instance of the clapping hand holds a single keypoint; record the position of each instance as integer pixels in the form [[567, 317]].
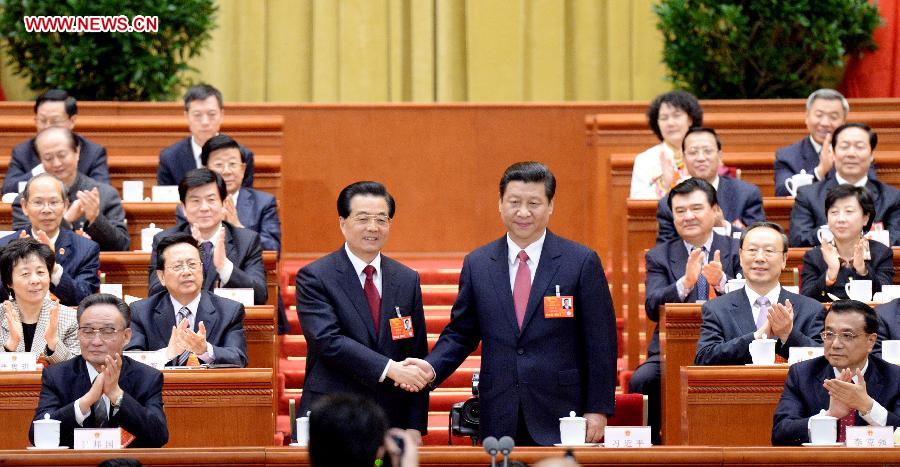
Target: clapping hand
[[713, 271], [13, 325], [781, 319], [51, 333]]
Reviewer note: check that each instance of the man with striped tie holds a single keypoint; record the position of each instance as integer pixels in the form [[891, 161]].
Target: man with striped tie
[[762, 307], [183, 319], [694, 267]]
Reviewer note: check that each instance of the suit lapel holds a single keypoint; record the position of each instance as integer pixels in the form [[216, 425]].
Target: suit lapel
[[678, 257], [808, 153], [873, 381], [63, 247], [742, 313], [350, 283], [546, 271], [389, 286], [187, 161], [163, 320], [822, 397], [500, 280], [206, 312], [246, 206], [726, 200]]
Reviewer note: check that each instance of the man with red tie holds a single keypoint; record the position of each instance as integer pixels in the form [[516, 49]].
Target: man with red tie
[[847, 382], [539, 360], [355, 306]]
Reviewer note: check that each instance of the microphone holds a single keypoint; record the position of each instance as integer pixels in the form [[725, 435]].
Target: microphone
[[506, 447], [491, 446]]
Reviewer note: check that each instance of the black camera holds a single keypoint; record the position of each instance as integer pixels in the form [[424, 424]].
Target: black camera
[[465, 417]]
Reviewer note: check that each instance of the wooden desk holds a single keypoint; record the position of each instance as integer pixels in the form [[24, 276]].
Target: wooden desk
[[475, 456], [224, 407], [679, 331], [730, 405], [130, 268]]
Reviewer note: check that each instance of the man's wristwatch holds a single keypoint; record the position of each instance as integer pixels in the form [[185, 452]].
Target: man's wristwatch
[[116, 403]]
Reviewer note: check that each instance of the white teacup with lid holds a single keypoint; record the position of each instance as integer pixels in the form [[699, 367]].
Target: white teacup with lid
[[762, 351], [735, 284], [46, 433], [797, 180], [572, 429], [822, 428]]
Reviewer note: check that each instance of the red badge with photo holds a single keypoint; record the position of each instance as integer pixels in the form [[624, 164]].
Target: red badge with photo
[[559, 306]]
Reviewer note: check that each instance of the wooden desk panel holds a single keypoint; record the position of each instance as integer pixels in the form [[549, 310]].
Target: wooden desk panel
[[260, 330], [679, 331], [730, 405], [130, 268], [223, 407]]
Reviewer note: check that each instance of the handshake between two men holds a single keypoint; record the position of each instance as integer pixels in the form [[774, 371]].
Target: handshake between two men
[[412, 374]]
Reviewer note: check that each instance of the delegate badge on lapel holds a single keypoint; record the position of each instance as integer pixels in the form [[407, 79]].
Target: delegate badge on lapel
[[559, 306], [401, 326]]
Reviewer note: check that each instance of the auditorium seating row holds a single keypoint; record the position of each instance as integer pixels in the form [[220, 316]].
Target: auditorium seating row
[[434, 456], [751, 132]]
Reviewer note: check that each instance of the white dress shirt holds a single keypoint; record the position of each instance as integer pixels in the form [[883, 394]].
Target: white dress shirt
[[196, 150], [859, 183], [534, 257]]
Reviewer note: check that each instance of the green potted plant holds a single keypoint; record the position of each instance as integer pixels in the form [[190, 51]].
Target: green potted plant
[[762, 48], [145, 65]]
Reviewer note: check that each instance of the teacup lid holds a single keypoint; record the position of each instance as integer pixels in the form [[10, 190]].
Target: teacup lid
[[822, 415], [46, 420], [764, 340], [571, 417]]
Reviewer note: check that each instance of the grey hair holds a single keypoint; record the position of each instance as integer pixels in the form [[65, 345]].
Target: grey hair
[[829, 95]]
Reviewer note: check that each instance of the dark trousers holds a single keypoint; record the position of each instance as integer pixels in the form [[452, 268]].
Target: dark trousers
[[646, 380]]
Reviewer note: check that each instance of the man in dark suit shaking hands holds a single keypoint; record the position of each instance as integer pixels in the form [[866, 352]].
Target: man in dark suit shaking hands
[[539, 361], [353, 306]]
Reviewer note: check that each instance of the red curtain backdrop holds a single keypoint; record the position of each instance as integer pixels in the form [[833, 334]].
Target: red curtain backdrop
[[877, 74]]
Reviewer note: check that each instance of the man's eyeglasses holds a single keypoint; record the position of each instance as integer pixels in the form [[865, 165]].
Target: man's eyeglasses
[[379, 219], [40, 204], [107, 334], [767, 252], [186, 266], [829, 336]]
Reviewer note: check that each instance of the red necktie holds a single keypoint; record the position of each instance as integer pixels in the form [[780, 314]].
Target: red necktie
[[843, 423], [372, 296], [522, 287]]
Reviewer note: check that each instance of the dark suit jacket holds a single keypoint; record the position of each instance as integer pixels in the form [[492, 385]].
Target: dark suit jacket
[[257, 211], [804, 396], [808, 213], [812, 279], [91, 162], [739, 200], [790, 160], [178, 159], [152, 320], [550, 366], [728, 327], [80, 260], [108, 229], [241, 247], [344, 353], [666, 264], [888, 323], [141, 412]]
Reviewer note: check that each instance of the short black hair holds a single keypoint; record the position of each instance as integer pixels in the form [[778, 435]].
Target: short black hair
[[57, 95], [217, 143], [873, 137], [861, 194], [529, 172], [169, 240], [345, 430], [200, 177], [362, 189], [120, 462], [41, 176], [201, 92], [856, 306], [105, 299], [18, 250], [769, 225], [702, 129], [682, 100], [691, 185], [69, 134]]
